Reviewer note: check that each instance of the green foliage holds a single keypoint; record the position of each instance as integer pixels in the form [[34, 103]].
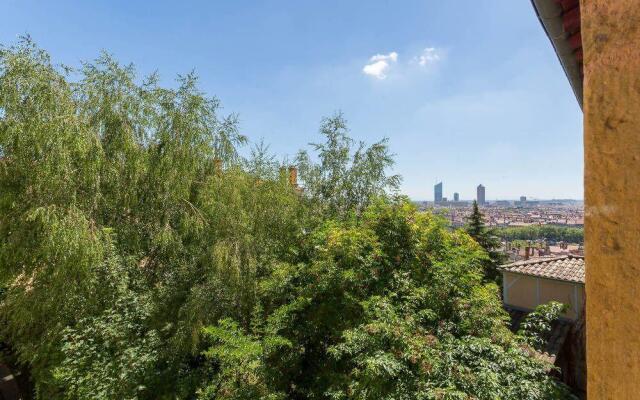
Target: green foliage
[[536, 327], [345, 180], [398, 313], [556, 233], [237, 363], [488, 240], [110, 356], [105, 179], [133, 265], [394, 358]]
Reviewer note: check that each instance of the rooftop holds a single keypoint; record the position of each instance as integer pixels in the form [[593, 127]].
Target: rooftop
[[568, 268]]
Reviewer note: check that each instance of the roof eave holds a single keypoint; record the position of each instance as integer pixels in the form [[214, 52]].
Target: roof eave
[[577, 282], [550, 16]]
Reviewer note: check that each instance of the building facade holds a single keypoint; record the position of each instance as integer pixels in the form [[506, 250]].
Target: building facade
[[480, 195], [437, 192]]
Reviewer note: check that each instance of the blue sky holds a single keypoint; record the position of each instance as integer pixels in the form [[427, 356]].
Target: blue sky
[[468, 92]]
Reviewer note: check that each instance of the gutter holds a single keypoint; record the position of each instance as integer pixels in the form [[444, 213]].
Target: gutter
[[549, 14]]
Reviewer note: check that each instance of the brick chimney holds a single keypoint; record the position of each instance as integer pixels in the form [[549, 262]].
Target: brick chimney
[[293, 176], [217, 166]]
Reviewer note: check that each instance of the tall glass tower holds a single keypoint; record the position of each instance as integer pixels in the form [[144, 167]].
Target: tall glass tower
[[480, 195], [437, 192]]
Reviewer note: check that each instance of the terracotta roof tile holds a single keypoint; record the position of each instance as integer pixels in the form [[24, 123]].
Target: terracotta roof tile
[[565, 268]]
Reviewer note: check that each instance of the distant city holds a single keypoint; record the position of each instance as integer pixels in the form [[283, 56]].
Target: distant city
[[506, 213], [481, 198], [551, 215]]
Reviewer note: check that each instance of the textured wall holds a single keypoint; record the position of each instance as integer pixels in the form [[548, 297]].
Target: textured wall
[[611, 43], [528, 292]]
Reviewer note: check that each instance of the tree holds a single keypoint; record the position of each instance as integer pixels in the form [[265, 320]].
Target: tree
[[554, 233], [345, 180], [486, 238], [133, 265], [104, 178], [237, 368], [402, 313]]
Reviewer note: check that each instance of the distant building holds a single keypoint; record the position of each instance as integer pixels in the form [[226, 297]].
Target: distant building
[[456, 197], [523, 199], [480, 195], [444, 199], [437, 192]]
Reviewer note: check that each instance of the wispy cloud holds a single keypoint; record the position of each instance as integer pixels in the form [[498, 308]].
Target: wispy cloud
[[380, 64], [429, 56]]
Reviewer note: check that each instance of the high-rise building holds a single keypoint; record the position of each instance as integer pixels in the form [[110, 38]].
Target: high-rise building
[[480, 195], [456, 196], [437, 192], [523, 199]]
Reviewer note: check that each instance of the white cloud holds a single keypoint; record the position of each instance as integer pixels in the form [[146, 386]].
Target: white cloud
[[429, 56], [393, 56], [379, 65]]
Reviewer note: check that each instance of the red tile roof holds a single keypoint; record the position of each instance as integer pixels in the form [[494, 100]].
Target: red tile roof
[[568, 268]]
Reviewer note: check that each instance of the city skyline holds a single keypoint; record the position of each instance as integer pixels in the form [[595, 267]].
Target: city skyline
[[456, 195]]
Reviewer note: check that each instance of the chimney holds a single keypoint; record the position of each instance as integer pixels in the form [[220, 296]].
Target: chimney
[[293, 176], [217, 166]]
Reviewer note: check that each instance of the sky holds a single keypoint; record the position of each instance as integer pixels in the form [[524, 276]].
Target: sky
[[467, 92]]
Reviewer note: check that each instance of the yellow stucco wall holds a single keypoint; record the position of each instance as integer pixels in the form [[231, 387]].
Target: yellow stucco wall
[[527, 292], [520, 291], [611, 43], [567, 293]]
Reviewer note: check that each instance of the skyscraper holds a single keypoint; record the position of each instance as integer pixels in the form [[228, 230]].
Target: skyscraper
[[456, 197], [437, 192], [480, 195]]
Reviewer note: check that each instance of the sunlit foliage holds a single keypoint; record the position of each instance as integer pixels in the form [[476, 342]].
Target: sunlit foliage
[[142, 257]]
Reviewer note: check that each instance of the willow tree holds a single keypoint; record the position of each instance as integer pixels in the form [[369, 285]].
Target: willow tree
[[110, 193], [345, 176]]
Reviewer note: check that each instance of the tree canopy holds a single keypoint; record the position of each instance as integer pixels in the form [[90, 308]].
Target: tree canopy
[[141, 257], [488, 240], [553, 233]]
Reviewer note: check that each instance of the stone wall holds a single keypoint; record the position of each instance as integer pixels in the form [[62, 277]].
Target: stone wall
[[611, 44]]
